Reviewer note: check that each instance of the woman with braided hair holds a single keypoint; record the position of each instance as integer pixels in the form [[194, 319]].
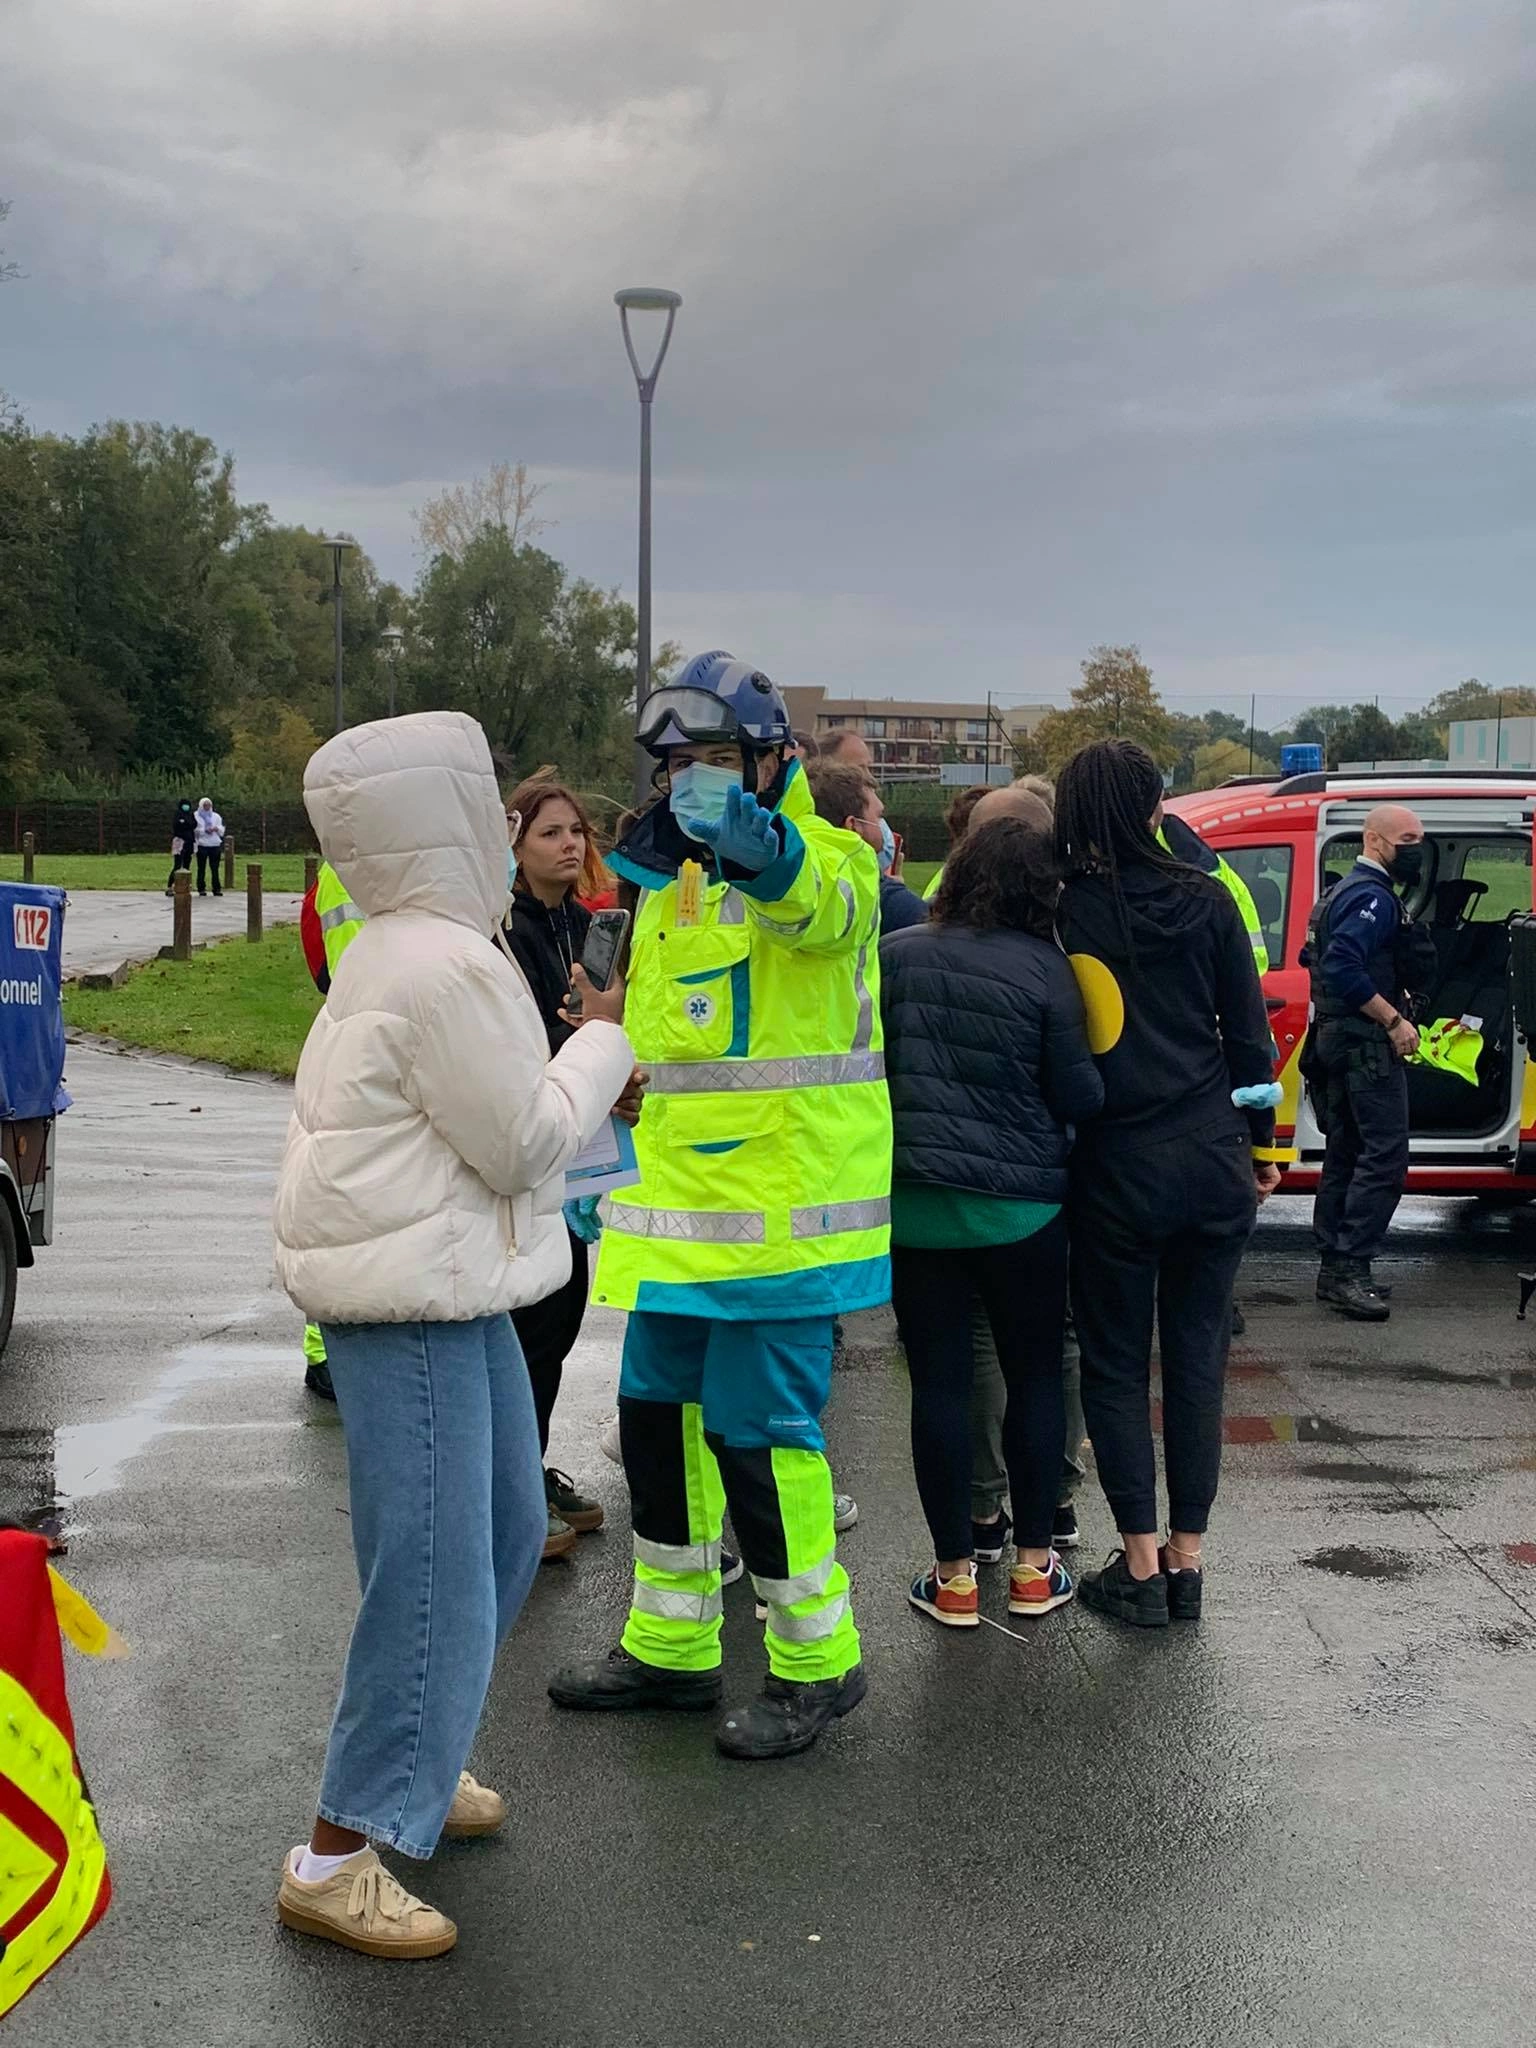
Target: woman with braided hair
[[1164, 1185]]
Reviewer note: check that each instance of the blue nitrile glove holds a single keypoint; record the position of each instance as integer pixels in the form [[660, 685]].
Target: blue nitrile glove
[[744, 836], [582, 1219]]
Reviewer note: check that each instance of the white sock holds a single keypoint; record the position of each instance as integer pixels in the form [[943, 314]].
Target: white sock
[[309, 1868]]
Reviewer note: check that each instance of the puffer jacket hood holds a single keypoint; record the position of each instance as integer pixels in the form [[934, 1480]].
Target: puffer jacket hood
[[408, 813]]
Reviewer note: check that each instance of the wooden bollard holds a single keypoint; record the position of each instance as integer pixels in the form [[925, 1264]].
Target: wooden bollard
[[28, 849], [311, 872], [229, 861], [253, 901], [181, 916]]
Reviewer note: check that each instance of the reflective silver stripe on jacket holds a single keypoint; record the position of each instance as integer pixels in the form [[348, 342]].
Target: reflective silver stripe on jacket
[[687, 1226], [810, 1070], [808, 1628], [339, 914], [649, 1599], [733, 908], [827, 1218], [678, 1557], [864, 1030], [804, 1585], [851, 904]]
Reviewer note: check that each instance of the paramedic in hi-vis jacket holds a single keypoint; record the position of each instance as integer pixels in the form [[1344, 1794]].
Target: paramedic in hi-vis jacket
[[762, 1211]]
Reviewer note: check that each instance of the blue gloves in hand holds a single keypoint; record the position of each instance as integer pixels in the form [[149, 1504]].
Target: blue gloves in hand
[[744, 835]]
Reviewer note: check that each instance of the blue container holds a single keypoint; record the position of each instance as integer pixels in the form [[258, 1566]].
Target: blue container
[[1301, 759], [31, 1016]]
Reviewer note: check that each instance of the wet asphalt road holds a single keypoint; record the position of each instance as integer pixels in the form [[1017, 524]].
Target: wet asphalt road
[[1307, 1822], [105, 927]]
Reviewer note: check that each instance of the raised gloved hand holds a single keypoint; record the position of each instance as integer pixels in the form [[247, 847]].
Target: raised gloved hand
[[744, 835]]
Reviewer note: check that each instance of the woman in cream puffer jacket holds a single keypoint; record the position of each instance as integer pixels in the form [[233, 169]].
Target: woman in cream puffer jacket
[[418, 1202]]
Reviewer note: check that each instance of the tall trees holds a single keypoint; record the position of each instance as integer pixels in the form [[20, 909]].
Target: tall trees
[[1115, 699]]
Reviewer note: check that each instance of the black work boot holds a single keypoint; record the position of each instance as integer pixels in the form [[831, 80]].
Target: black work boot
[[619, 1683], [786, 1718], [1329, 1274], [1355, 1297], [1141, 1602]]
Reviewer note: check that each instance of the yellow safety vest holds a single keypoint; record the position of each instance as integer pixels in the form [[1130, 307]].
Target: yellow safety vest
[[765, 1142], [340, 918], [1240, 893]]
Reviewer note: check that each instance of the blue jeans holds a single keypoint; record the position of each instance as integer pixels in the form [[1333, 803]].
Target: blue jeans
[[448, 1523]]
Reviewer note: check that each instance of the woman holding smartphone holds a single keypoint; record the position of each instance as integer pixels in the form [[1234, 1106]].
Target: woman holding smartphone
[[557, 865]]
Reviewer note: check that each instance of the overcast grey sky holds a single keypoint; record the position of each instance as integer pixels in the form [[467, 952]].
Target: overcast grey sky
[[1010, 325]]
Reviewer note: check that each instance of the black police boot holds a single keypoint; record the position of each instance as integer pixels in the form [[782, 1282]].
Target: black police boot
[[786, 1718], [1355, 1297], [619, 1683]]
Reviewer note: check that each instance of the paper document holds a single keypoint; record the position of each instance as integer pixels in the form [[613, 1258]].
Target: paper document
[[607, 1162]]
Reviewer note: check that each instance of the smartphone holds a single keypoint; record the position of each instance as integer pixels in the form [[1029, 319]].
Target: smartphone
[[605, 944]]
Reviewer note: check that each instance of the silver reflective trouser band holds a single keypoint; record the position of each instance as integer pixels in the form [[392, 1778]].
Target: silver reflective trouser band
[[678, 1557], [803, 1586], [340, 913], [666, 1606], [810, 1070], [688, 1226], [808, 1628], [831, 1217]]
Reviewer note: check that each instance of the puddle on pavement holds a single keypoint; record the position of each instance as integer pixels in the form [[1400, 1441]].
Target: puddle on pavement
[[44, 1472], [1420, 1373], [1350, 1561], [1282, 1429], [1360, 1473]]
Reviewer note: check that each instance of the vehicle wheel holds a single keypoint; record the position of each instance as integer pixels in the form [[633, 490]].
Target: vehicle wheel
[[7, 1273]]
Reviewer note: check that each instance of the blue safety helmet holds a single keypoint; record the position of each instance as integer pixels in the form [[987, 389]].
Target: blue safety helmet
[[716, 697]]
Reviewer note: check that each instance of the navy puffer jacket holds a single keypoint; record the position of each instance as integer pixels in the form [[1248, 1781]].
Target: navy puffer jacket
[[986, 1052]]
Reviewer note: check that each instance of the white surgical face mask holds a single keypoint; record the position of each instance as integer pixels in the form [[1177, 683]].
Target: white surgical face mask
[[887, 854], [698, 794]]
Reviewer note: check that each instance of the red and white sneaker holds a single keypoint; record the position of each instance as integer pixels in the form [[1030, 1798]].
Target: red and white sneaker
[[1033, 1591], [955, 1602]]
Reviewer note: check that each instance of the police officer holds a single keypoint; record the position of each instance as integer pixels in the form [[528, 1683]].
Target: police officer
[[762, 1211], [1363, 955]]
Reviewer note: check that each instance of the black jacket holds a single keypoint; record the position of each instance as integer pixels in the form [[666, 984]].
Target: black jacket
[[900, 907], [546, 944], [987, 1057], [1195, 1024]]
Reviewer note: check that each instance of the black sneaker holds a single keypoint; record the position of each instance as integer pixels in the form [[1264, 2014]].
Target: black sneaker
[[990, 1539], [1064, 1534], [573, 1508], [786, 1718], [317, 1378], [619, 1683], [1141, 1602], [1352, 1295], [1184, 1590]]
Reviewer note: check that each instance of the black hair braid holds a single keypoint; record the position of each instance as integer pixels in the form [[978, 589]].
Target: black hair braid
[[1105, 798]]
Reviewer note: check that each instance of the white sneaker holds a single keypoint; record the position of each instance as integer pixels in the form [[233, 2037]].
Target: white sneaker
[[608, 1441], [845, 1512], [363, 1906]]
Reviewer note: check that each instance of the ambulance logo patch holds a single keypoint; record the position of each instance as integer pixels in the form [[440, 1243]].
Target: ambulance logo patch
[[699, 1008]]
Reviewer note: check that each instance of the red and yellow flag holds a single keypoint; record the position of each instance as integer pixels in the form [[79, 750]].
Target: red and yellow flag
[[53, 1869]]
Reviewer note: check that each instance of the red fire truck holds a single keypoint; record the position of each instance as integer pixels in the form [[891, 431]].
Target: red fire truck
[[1290, 839]]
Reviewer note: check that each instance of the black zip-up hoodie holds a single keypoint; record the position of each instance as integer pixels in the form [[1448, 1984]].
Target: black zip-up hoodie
[[1195, 1023], [546, 943]]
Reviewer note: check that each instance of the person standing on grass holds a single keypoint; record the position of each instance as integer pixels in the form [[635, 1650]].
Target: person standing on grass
[[208, 834], [1164, 1185], [183, 838], [989, 1068], [417, 1205], [557, 865]]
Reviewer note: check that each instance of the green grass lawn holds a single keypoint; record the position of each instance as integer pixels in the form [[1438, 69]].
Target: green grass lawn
[[917, 874], [243, 1005], [281, 873]]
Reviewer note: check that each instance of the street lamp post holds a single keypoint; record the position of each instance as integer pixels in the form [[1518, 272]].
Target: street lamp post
[[645, 299], [392, 639], [338, 548]]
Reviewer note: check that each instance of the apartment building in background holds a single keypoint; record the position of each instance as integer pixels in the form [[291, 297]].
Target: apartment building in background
[[914, 742]]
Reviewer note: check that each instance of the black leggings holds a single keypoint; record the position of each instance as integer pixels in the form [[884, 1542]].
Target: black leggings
[[1159, 1229], [547, 1331], [1023, 1288]]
